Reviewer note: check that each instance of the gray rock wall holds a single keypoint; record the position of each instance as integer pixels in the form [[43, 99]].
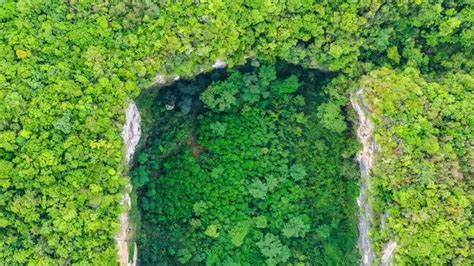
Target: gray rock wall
[[131, 136], [366, 160]]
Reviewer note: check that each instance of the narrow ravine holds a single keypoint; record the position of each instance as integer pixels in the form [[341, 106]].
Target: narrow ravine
[[131, 136]]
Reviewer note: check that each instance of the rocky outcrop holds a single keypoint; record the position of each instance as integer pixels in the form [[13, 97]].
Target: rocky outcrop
[[219, 64], [131, 130], [162, 80], [388, 252], [131, 136], [366, 160]]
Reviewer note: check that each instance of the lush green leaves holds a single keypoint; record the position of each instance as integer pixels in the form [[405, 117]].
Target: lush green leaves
[[239, 232], [331, 117], [289, 85], [68, 69], [423, 131], [273, 250], [260, 187], [221, 96], [297, 172], [296, 227]]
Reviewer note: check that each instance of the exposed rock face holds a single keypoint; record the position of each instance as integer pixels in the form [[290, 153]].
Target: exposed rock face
[[366, 159], [219, 64], [161, 79], [123, 237], [131, 136], [388, 252], [131, 130]]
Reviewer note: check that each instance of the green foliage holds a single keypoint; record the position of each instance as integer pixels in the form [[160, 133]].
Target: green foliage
[[68, 69], [297, 172], [199, 207], [184, 256], [140, 177], [218, 128], [247, 88], [239, 232], [257, 191], [296, 227], [212, 230], [289, 85], [331, 117], [221, 95], [432, 36], [423, 128], [261, 221], [273, 250]]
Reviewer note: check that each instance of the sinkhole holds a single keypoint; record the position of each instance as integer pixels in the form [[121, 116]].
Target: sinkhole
[[247, 166]]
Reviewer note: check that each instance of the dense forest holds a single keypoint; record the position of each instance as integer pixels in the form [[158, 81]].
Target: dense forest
[[246, 172], [260, 157], [423, 182]]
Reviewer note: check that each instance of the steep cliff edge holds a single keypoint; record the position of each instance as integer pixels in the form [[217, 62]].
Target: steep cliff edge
[[131, 136], [366, 160]]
